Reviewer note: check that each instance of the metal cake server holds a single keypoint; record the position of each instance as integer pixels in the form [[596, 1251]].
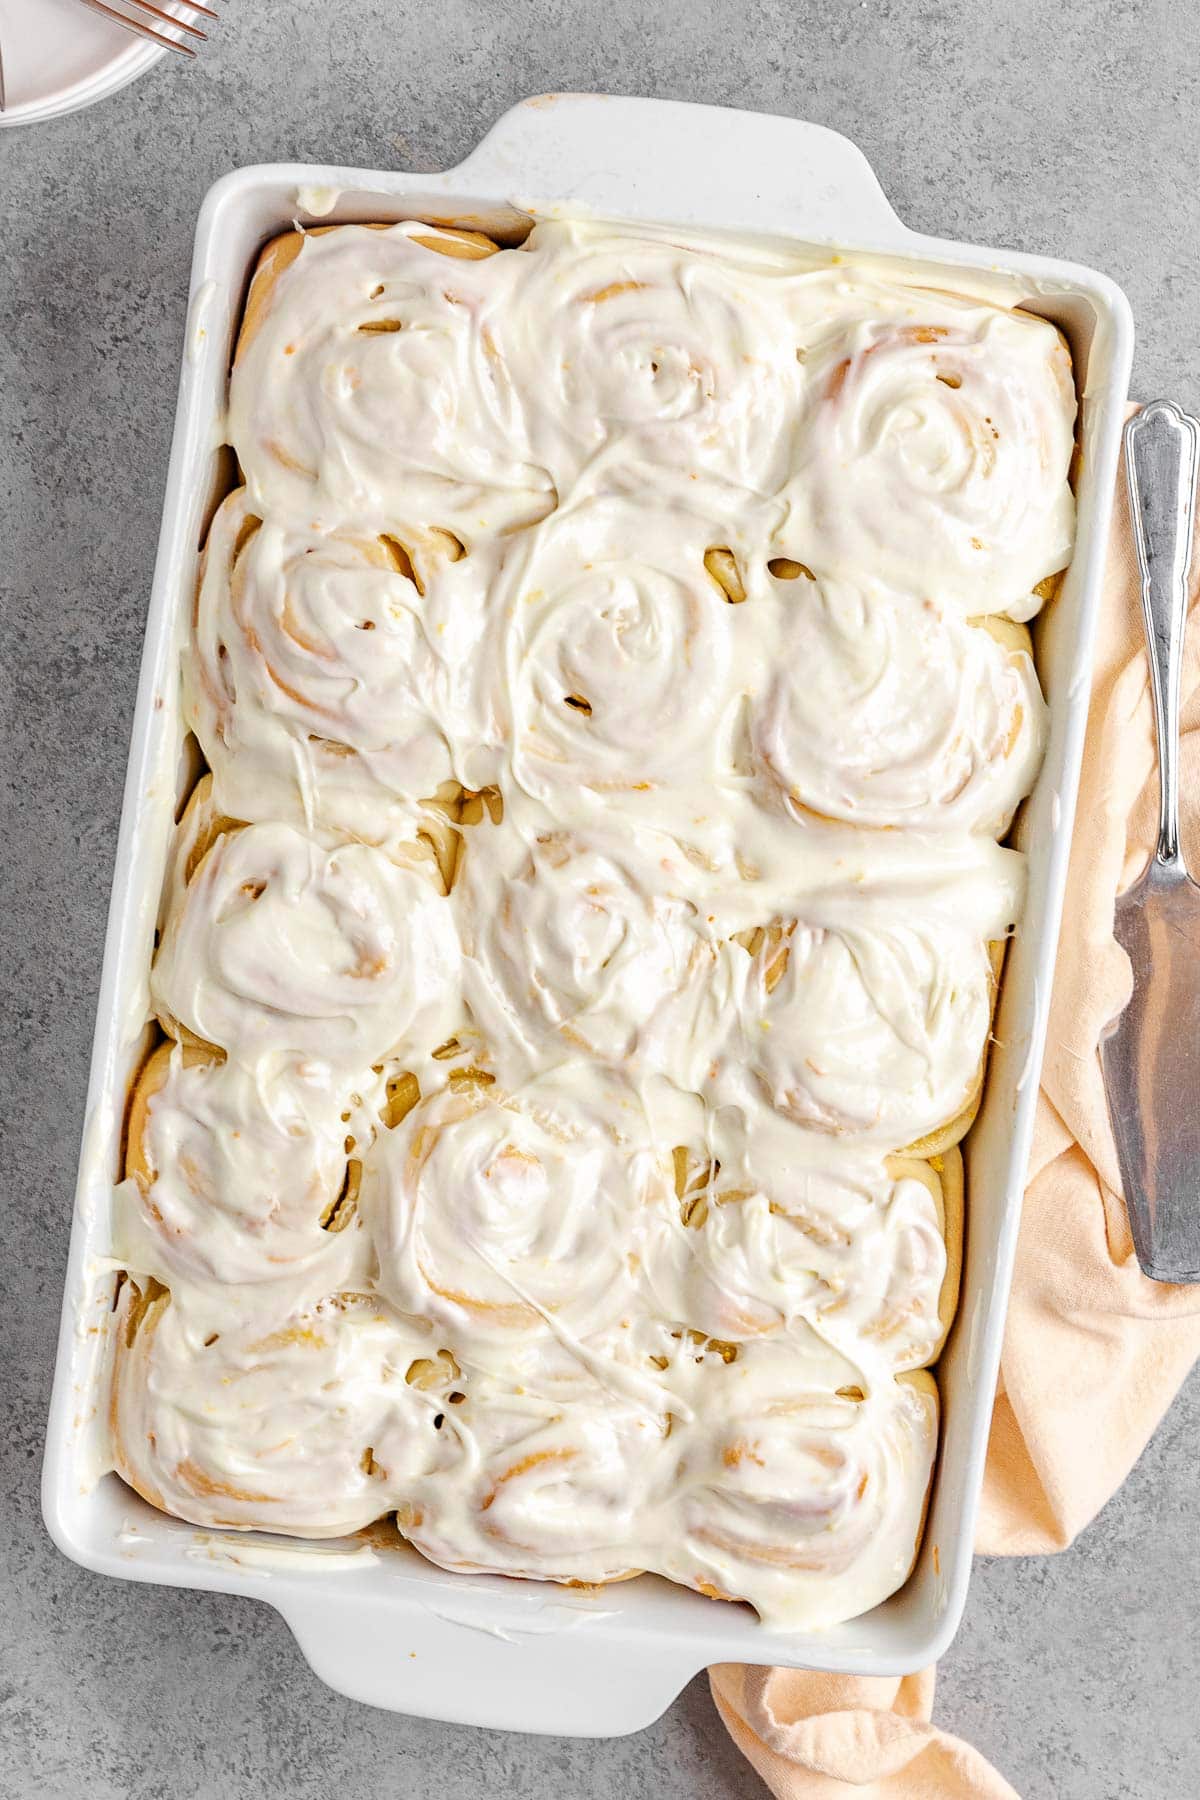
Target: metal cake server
[[1151, 1052]]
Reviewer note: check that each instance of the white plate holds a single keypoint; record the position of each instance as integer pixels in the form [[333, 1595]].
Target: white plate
[[59, 56]]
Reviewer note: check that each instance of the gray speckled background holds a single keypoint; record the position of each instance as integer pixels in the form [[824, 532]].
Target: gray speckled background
[[1021, 124]]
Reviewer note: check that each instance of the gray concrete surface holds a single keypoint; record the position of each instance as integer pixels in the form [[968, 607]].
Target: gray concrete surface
[[1019, 124]]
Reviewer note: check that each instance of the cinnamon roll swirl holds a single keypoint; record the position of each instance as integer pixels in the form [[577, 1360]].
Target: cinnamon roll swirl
[[553, 1492], [486, 1207], [655, 354], [870, 1033], [282, 943], [246, 1178], [806, 1502], [888, 711], [619, 660], [762, 1242], [935, 450], [368, 387], [313, 679], [311, 1430], [587, 943]]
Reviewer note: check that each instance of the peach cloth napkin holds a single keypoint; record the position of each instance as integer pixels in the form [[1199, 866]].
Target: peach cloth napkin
[[1093, 1352]]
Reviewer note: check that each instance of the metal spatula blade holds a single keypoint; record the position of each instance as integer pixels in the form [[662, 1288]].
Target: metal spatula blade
[[1151, 1053]]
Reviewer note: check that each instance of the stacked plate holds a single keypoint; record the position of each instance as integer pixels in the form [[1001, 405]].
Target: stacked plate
[[59, 57]]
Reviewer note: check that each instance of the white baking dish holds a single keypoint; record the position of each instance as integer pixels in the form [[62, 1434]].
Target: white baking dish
[[381, 1625]]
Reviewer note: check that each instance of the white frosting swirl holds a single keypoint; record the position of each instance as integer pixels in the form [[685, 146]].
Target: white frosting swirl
[[618, 655], [312, 678], [562, 1492], [655, 353], [286, 945], [487, 1207], [763, 1241], [371, 391], [240, 1178], [311, 1430], [806, 1503], [871, 1033], [935, 450], [889, 711], [585, 943]]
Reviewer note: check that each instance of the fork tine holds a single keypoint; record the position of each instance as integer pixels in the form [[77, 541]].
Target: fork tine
[[139, 27], [195, 6], [167, 18]]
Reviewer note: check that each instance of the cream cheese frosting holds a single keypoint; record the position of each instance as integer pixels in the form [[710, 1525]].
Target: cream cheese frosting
[[487, 1207], [936, 446], [284, 943], [589, 942], [876, 1033], [310, 1428], [619, 659], [609, 685], [379, 391], [313, 674], [888, 711], [759, 1238], [812, 1500], [237, 1177]]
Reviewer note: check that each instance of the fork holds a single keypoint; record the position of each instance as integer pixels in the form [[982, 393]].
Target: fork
[[142, 26]]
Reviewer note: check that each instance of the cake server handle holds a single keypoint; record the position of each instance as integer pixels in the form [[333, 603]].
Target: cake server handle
[[1161, 448]]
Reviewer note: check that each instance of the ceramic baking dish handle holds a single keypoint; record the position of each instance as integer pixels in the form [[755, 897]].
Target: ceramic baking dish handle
[[529, 1667], [668, 160]]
